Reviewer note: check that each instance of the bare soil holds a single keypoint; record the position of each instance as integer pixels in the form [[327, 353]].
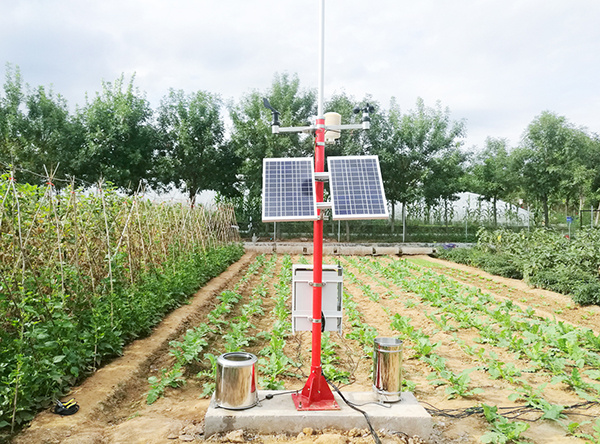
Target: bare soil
[[113, 399]]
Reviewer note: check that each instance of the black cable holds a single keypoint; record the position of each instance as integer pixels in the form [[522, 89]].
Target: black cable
[[380, 404], [352, 406], [272, 395], [507, 412]]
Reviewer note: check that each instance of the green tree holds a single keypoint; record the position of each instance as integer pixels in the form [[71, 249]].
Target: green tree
[[193, 155], [491, 175], [36, 131], [550, 146], [412, 143], [578, 182], [120, 139], [445, 179], [12, 118], [253, 140], [52, 136], [593, 160]]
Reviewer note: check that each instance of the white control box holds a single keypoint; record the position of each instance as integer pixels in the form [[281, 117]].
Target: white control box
[[331, 299]]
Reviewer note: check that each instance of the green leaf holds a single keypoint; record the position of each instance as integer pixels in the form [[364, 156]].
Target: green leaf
[[493, 437], [594, 374], [514, 397], [553, 411]]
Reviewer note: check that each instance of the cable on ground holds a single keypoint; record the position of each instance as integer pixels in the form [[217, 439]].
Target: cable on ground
[[352, 406]]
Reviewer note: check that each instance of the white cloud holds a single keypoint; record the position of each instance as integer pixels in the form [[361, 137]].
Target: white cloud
[[496, 63]]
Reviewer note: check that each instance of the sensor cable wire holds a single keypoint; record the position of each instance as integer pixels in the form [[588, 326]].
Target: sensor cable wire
[[352, 406]]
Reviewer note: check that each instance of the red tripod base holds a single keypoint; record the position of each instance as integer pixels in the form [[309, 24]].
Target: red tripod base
[[316, 394]]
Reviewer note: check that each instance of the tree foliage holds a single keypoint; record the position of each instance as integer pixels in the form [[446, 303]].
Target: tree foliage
[[12, 119], [419, 145], [253, 140], [549, 148], [53, 135], [37, 130], [194, 156], [491, 175], [120, 140]]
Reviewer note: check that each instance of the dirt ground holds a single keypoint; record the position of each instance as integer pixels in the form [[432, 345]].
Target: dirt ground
[[113, 400]]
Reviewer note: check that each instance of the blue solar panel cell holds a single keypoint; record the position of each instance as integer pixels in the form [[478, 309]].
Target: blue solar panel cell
[[356, 188], [288, 190]]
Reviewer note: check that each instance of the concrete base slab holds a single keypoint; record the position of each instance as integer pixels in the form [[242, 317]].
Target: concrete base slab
[[279, 415]]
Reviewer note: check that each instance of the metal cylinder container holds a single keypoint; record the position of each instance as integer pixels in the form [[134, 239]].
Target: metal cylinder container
[[236, 381], [387, 369]]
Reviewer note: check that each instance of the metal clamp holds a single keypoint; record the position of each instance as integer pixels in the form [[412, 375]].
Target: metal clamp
[[322, 284]]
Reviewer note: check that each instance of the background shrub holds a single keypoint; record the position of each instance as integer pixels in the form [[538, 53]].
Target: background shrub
[[543, 258]]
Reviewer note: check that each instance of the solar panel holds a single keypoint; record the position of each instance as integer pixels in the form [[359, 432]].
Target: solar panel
[[356, 188], [288, 190]]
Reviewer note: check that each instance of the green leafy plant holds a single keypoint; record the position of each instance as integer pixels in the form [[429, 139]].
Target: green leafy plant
[[502, 430], [458, 384], [100, 271], [169, 378], [592, 438], [208, 387]]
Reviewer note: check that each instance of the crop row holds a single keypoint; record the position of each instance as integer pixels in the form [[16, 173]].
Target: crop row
[[568, 354], [191, 349], [503, 341]]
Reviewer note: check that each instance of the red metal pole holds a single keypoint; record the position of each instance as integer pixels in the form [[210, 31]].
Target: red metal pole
[[316, 394], [318, 247]]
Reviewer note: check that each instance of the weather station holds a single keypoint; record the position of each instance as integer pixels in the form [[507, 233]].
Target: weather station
[[293, 190]]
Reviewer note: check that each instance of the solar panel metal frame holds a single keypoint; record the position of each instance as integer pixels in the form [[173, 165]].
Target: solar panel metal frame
[[292, 186], [339, 179]]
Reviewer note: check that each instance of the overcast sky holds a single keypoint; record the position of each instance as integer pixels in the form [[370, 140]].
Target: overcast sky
[[495, 63]]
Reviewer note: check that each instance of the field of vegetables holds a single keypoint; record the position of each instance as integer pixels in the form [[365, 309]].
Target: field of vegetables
[[83, 273], [492, 360]]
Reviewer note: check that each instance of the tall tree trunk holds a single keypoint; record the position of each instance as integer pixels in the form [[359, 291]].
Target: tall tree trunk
[[546, 212], [403, 221], [581, 201], [192, 197], [446, 211], [393, 216], [495, 212], [347, 231]]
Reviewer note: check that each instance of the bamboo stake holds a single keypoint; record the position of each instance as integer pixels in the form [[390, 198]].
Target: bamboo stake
[[125, 228], [73, 202], [3, 203], [144, 251], [50, 192], [110, 275], [22, 252]]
